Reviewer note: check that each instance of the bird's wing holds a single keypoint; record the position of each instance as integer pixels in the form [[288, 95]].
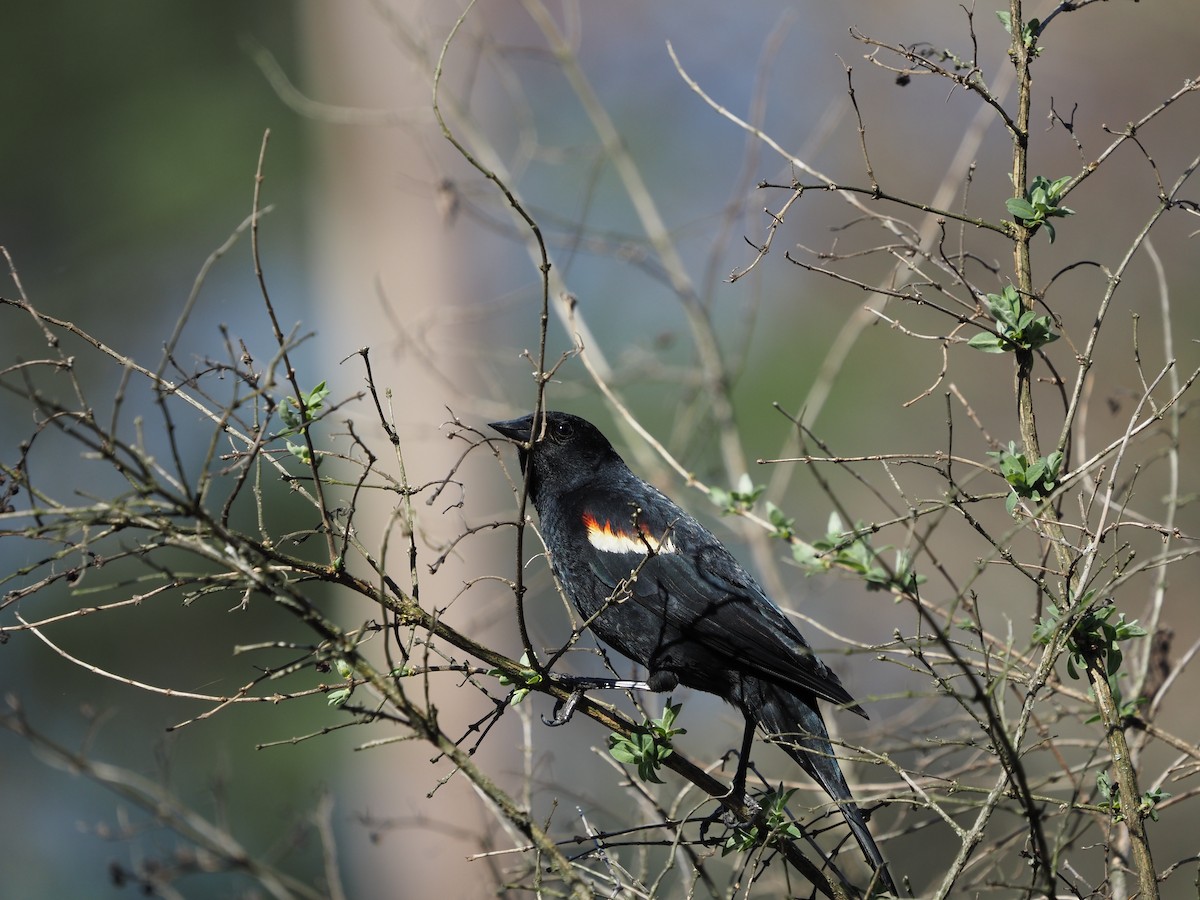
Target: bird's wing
[[687, 577]]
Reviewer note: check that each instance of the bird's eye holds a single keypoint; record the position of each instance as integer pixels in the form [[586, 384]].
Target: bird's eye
[[563, 430]]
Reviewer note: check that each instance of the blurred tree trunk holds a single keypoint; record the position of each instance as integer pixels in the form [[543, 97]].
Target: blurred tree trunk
[[379, 237]]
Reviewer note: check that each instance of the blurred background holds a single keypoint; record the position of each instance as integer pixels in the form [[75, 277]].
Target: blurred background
[[130, 140]]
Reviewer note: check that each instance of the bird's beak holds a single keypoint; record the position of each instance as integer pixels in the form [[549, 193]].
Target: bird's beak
[[516, 429]]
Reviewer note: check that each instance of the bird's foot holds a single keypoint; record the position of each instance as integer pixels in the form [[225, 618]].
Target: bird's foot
[[728, 817], [753, 807], [563, 709]]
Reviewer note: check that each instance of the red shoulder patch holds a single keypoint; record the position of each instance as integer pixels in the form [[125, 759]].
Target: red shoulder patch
[[603, 535]]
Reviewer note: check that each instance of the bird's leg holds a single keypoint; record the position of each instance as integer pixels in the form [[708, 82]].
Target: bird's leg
[[738, 791], [564, 709]]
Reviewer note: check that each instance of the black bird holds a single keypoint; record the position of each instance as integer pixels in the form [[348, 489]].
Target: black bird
[[658, 587]]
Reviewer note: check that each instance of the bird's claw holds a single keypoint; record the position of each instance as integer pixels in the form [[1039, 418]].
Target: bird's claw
[[721, 814], [728, 817], [563, 710]]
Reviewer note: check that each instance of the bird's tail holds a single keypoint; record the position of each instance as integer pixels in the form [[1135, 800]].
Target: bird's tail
[[797, 727]]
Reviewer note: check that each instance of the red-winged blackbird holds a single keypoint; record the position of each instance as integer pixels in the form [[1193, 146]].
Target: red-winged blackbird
[[658, 587]]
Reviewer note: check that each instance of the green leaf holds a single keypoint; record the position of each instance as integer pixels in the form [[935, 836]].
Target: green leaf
[[523, 680], [989, 343], [833, 526], [1150, 801], [1030, 480], [853, 551], [1040, 203], [1035, 472], [1094, 637], [1047, 625], [316, 398], [289, 410], [784, 527], [809, 558], [775, 817], [1016, 327], [1029, 34], [649, 745], [742, 498], [1021, 208], [300, 451]]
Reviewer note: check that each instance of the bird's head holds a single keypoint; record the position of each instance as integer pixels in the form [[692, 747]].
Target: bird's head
[[565, 451]]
